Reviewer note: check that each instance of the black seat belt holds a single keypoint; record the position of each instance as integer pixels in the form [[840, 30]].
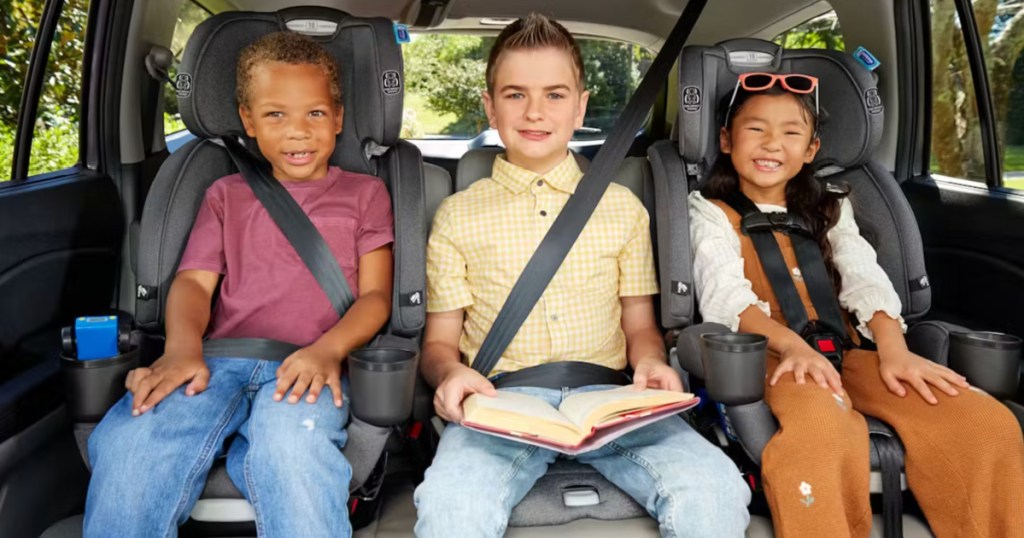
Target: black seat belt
[[827, 334], [574, 216], [295, 225]]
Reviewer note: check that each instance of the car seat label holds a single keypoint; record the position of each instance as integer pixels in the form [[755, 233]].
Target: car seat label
[[873, 101], [391, 82], [402, 34], [691, 99], [183, 85], [411, 299]]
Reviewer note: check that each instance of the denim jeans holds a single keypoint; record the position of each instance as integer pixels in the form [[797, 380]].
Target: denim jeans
[[691, 487], [148, 471]]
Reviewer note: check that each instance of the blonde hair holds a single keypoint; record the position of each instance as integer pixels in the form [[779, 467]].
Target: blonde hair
[[290, 48], [534, 32]]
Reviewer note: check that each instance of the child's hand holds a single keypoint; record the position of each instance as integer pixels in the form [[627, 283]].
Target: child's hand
[[655, 373], [899, 364], [803, 360], [459, 383], [164, 376], [309, 368]]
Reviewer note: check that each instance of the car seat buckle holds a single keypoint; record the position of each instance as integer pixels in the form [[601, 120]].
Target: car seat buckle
[[575, 496]]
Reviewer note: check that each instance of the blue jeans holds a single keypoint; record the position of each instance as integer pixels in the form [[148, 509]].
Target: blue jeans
[[689, 485], [148, 471]]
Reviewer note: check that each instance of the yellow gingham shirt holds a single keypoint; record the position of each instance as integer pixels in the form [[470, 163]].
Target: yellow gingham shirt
[[483, 237]]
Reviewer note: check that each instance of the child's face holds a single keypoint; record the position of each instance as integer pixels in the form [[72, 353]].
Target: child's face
[[536, 106], [293, 118], [770, 140]]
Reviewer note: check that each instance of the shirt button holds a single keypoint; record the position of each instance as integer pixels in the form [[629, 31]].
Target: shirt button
[[554, 317], [543, 213], [540, 182]]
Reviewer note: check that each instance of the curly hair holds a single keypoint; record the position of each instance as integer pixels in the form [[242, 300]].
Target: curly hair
[[290, 48], [534, 32]]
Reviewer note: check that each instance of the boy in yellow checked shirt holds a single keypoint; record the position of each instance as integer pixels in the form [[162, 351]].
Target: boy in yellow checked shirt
[[598, 309]]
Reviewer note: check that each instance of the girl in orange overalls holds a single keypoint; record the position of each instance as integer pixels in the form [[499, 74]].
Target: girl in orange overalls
[[964, 450]]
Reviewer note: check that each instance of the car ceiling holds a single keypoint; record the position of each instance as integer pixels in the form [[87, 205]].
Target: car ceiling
[[643, 22]]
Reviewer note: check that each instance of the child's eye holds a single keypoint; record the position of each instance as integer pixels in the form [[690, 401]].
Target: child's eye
[[755, 129], [554, 95], [794, 133], [317, 113], [274, 114], [515, 95]]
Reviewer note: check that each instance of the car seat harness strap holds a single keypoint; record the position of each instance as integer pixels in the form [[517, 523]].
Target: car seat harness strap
[[827, 334]]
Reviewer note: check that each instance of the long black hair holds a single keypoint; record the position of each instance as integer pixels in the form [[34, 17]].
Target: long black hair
[[807, 196]]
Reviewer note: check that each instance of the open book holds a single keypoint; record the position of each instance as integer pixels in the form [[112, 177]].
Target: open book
[[583, 421]]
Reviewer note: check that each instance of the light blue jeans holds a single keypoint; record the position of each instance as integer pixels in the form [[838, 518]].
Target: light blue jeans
[[148, 471], [691, 487]]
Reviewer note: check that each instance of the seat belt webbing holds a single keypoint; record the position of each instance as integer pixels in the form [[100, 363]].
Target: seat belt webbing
[[295, 225], [562, 235]]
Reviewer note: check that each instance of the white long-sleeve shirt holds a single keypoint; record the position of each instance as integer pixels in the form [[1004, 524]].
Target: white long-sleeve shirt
[[724, 292]]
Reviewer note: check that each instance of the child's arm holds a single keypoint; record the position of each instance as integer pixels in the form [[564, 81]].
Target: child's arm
[[645, 348], [796, 355], [188, 314], [897, 364], [441, 365], [319, 364]]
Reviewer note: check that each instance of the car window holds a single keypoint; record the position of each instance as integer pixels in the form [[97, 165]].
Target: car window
[[445, 74], [956, 147], [189, 17], [55, 133], [821, 32]]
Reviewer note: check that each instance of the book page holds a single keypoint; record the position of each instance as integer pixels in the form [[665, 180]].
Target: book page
[[520, 413], [589, 409]]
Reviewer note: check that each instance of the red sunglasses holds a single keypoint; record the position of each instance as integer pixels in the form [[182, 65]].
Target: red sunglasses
[[791, 82]]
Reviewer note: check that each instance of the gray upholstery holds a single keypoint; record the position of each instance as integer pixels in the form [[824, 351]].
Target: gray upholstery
[[437, 185], [849, 137]]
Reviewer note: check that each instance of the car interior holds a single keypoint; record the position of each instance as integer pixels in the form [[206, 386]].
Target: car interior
[[102, 233]]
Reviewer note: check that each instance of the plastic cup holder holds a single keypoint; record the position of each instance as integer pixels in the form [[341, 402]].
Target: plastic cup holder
[[91, 387], [381, 384], [990, 360], [734, 366]]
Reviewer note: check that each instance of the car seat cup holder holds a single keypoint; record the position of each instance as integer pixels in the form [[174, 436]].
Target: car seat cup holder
[[990, 360], [382, 382], [96, 356], [734, 366]]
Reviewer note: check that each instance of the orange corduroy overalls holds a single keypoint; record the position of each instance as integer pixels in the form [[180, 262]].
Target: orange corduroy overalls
[[964, 456]]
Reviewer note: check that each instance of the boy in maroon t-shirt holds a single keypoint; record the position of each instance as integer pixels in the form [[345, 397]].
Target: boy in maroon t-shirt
[[153, 450]]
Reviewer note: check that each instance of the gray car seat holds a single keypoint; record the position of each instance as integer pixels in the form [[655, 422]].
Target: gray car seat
[[370, 66], [849, 139], [570, 490]]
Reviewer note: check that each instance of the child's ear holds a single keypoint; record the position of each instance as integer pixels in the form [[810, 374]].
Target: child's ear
[[812, 150], [246, 115], [724, 144], [581, 114], [488, 107], [339, 119]]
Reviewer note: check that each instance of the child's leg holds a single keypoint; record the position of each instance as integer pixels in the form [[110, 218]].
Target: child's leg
[[148, 471], [965, 456], [816, 469], [688, 484], [287, 461], [476, 480]]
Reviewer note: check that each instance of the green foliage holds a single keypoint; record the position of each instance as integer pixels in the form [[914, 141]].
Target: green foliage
[[447, 73], [822, 32], [54, 148]]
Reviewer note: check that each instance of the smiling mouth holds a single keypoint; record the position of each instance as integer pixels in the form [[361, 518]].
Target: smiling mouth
[[534, 135], [767, 164]]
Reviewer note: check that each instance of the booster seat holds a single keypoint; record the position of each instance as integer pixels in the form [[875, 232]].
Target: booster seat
[[370, 67]]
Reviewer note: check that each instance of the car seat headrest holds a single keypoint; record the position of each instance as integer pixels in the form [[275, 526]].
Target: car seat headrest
[[849, 97], [369, 63]]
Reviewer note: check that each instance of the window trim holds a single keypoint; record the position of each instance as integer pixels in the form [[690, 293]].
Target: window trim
[[34, 79], [913, 141], [986, 114]]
